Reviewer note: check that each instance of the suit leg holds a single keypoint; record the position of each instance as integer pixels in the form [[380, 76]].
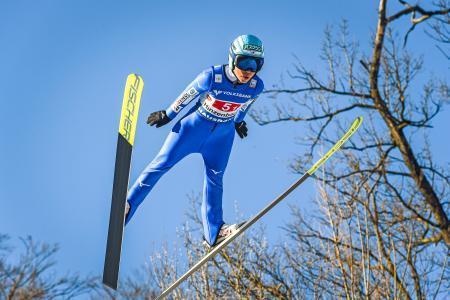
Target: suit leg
[[182, 140], [215, 155]]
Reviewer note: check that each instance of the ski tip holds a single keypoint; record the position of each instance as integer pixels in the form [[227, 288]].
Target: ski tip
[[353, 128], [130, 107], [135, 75], [355, 125], [358, 121]]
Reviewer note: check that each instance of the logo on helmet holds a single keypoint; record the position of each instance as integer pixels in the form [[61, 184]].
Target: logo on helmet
[[255, 48]]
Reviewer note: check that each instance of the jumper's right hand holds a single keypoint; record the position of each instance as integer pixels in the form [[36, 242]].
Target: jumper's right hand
[[158, 118]]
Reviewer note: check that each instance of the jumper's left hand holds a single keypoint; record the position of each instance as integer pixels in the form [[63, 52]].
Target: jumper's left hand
[[241, 129]]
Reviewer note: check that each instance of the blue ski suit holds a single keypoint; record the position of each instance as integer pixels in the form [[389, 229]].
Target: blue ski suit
[[207, 128]]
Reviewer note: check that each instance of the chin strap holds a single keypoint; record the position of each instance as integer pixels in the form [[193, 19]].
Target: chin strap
[[230, 75]]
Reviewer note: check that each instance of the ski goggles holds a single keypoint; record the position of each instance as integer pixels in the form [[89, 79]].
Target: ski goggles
[[248, 63]]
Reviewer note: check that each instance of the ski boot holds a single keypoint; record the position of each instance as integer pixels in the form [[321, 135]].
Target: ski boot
[[127, 209], [225, 231]]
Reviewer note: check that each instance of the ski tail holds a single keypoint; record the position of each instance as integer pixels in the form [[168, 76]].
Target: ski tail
[[125, 141], [243, 227]]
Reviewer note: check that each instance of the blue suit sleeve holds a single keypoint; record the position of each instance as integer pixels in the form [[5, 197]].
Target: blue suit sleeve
[[246, 107], [200, 85]]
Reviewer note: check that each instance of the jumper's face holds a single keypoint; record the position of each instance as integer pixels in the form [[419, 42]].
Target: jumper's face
[[243, 76]]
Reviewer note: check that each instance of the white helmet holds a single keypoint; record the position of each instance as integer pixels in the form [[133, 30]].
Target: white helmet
[[247, 53]]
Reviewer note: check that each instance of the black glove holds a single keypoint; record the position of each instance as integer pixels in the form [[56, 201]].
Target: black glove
[[158, 118], [241, 129]]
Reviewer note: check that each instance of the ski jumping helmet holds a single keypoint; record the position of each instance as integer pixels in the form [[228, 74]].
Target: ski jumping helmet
[[247, 53]]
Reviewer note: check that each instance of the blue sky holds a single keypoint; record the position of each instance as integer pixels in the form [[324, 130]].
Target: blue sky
[[63, 69]]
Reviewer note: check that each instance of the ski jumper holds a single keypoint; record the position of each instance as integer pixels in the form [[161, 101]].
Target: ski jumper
[[207, 128]]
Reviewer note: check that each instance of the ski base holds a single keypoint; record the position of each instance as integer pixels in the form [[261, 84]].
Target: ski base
[[117, 219], [127, 131]]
